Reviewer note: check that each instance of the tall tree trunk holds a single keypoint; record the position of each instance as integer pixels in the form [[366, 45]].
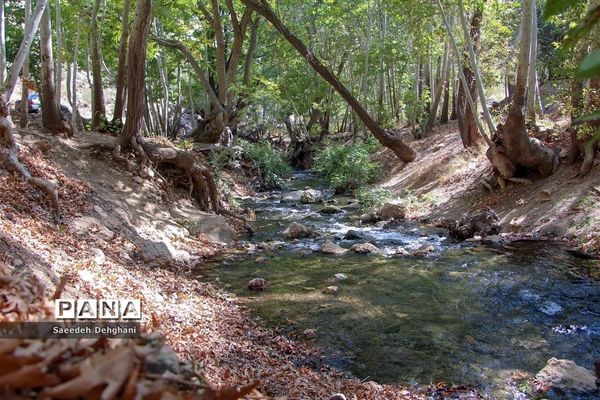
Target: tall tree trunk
[[251, 50], [513, 139], [23, 52], [59, 50], [532, 75], [404, 152], [98, 108], [466, 117], [51, 118], [2, 45], [24, 120], [417, 93], [440, 89], [471, 47], [136, 60], [446, 103], [121, 88], [76, 118]]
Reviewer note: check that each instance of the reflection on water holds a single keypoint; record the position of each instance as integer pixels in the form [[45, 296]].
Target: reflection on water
[[467, 314]]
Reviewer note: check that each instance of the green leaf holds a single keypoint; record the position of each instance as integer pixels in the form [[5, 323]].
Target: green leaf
[[554, 7], [583, 28], [590, 66], [586, 118]]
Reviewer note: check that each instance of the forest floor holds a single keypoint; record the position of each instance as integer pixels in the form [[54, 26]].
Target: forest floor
[[92, 247], [445, 181]]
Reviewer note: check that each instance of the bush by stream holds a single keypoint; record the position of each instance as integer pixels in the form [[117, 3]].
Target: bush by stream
[[272, 166], [348, 167]]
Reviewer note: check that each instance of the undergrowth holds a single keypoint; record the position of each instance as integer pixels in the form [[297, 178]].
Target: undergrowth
[[348, 167], [273, 168]]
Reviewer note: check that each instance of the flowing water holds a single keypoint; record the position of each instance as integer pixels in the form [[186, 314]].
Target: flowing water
[[466, 313]]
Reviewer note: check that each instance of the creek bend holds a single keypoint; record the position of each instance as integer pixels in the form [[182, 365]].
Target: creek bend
[[466, 313]]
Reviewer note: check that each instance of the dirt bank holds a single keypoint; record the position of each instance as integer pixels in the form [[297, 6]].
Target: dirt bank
[[446, 181]]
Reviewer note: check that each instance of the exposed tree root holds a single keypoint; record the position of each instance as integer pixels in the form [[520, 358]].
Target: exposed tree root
[[9, 152], [200, 180], [588, 155]]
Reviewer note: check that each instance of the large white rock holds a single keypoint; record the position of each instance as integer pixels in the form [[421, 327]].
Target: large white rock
[[567, 376]]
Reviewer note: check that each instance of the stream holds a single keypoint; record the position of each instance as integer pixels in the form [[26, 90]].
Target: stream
[[467, 313]]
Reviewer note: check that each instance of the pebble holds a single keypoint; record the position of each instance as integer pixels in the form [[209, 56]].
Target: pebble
[[99, 257], [332, 289], [340, 277], [310, 333], [551, 308]]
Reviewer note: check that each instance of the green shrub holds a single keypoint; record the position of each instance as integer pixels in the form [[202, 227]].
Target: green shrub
[[273, 168], [348, 167], [373, 197]]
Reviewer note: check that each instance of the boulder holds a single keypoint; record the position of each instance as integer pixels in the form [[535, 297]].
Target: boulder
[[365, 248], [329, 209], [401, 251], [484, 223], [298, 231], [257, 285], [270, 246], [90, 226], [352, 235], [392, 211], [566, 376], [331, 248], [423, 250], [157, 253], [215, 227], [337, 396], [369, 218], [292, 197], [310, 196]]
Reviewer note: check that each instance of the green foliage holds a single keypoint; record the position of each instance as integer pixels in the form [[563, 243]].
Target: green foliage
[[224, 158], [373, 197], [348, 167], [590, 66], [554, 7], [273, 168]]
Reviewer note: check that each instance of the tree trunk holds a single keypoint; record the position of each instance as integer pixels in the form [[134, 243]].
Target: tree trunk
[[440, 89], [396, 144], [513, 139], [467, 124], [121, 88], [532, 75], [51, 117], [59, 62], [251, 50], [471, 47], [76, 121], [2, 45], [98, 108], [24, 120], [446, 102], [23, 52], [136, 60]]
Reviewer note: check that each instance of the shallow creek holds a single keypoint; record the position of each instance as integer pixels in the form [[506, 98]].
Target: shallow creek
[[467, 313]]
